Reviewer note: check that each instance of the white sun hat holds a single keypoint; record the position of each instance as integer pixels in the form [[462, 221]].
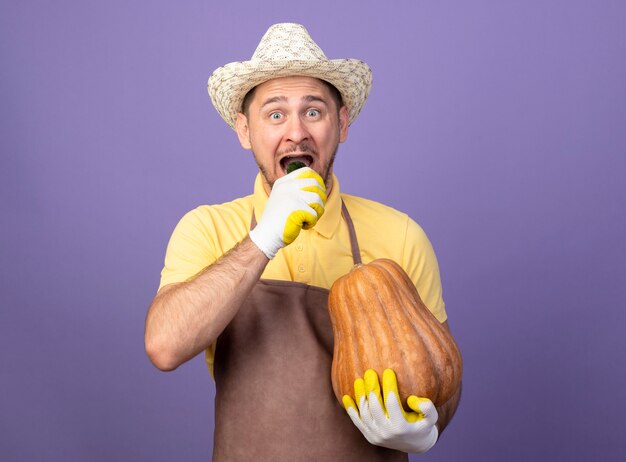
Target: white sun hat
[[287, 50]]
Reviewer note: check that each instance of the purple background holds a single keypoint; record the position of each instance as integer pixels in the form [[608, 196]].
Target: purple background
[[498, 125]]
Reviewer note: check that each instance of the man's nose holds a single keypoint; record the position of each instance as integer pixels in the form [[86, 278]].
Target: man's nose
[[297, 130]]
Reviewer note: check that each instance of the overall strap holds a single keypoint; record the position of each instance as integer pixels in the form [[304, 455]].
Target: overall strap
[[354, 243]]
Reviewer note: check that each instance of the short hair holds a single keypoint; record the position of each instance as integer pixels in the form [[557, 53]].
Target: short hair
[[335, 94]]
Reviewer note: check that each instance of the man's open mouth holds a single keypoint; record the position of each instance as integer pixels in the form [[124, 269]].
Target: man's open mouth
[[306, 159]]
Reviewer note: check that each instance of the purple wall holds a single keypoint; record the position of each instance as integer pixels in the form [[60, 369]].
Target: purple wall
[[498, 125]]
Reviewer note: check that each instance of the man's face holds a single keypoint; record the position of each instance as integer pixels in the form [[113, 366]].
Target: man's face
[[293, 118]]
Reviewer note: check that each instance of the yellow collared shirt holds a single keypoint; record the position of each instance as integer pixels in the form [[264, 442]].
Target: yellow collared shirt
[[318, 256]]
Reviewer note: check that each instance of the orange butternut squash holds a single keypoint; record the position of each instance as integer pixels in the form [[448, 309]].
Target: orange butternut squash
[[379, 321]]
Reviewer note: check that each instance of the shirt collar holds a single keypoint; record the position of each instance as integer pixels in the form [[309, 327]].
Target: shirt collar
[[326, 225]]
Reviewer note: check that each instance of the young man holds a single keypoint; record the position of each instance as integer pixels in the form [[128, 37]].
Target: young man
[[247, 281]]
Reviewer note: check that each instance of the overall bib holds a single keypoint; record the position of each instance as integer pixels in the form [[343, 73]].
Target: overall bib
[[274, 399]]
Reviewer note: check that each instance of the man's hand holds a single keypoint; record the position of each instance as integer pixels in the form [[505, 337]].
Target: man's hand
[[296, 202], [384, 422]]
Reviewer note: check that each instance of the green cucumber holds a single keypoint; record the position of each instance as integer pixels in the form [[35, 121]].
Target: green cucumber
[[294, 166]]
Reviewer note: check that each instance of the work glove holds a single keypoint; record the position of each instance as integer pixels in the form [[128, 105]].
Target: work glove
[[383, 421], [296, 202]]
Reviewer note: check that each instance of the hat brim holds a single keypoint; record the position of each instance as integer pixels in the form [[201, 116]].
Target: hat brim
[[229, 84]]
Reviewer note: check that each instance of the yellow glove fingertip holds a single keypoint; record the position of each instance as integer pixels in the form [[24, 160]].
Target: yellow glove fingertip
[[390, 385], [414, 403], [320, 192], [297, 220], [318, 209], [359, 389], [371, 381], [312, 174], [348, 403], [373, 386], [390, 382]]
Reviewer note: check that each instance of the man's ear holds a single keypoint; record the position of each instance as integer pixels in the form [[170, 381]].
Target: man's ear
[[243, 131], [343, 124]]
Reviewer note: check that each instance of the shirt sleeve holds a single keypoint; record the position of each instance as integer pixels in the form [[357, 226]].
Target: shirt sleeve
[[420, 263], [190, 249]]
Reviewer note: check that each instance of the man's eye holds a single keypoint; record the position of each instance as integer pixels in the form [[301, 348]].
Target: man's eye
[[275, 115], [313, 113]]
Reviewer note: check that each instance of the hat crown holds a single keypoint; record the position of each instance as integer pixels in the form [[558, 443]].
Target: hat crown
[[288, 50], [288, 42]]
